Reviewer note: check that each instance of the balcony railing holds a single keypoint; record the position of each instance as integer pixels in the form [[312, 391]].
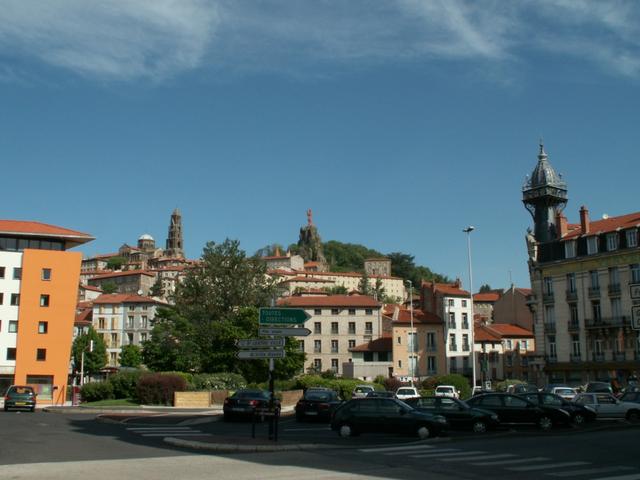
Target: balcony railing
[[465, 348], [317, 350], [453, 347], [619, 356], [594, 292], [550, 327], [636, 355], [551, 359], [432, 372], [575, 358], [608, 322], [432, 348], [547, 298], [598, 357], [368, 331], [451, 324], [614, 289], [573, 326], [465, 325], [572, 295]]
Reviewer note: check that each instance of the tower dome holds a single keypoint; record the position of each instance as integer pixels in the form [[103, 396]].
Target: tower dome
[[544, 174], [145, 236]]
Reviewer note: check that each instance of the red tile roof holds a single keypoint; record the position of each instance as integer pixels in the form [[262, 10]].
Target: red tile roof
[[483, 333], [510, 330], [486, 297], [330, 301], [448, 289], [382, 344], [301, 278], [126, 273], [91, 288], [525, 291], [37, 228], [611, 224], [419, 317], [123, 298]]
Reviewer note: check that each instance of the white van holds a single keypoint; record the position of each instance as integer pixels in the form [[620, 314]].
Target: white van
[[447, 391]]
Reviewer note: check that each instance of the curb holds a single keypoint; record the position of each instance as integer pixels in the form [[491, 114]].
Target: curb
[[236, 448]]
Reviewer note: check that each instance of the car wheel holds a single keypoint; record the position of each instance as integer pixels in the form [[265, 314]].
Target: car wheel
[[479, 426], [345, 430], [545, 423], [633, 416], [423, 432], [32, 409], [6, 409], [579, 419]]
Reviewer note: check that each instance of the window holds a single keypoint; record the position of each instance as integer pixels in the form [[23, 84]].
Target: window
[[317, 311], [13, 326], [616, 308], [301, 345], [334, 328], [595, 309], [132, 308], [352, 328], [548, 286], [130, 338], [549, 314], [317, 327], [412, 343], [130, 321], [383, 356], [597, 346], [368, 311], [368, 328], [399, 363], [452, 342], [575, 345], [352, 344], [451, 302], [143, 337], [41, 354], [635, 272], [524, 345], [114, 324], [614, 276], [509, 345], [43, 327], [114, 340], [465, 343], [464, 303], [317, 346], [367, 356], [551, 343], [352, 311], [113, 358], [46, 274], [144, 322], [334, 346], [17, 273], [317, 364], [594, 279], [453, 364], [431, 341], [573, 309], [452, 320], [431, 364], [632, 238], [465, 320], [11, 353], [1, 298], [612, 242], [570, 249], [15, 299], [509, 359], [592, 245], [490, 401], [334, 365], [335, 311], [145, 307], [101, 323], [1, 272], [571, 282], [44, 300]]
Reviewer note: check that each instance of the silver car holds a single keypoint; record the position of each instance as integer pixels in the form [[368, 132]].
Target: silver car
[[608, 406]]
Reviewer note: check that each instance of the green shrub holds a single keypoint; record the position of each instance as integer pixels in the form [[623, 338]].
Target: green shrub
[[188, 377], [158, 388], [217, 381], [502, 386], [344, 386], [124, 383], [95, 391], [380, 379]]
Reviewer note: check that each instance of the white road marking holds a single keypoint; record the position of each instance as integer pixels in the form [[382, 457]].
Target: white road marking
[[147, 429], [413, 451], [391, 449], [316, 429], [547, 465], [588, 471], [439, 455], [634, 476], [512, 462], [478, 457], [176, 434]]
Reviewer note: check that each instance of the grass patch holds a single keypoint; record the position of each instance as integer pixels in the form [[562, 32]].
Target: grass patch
[[119, 402]]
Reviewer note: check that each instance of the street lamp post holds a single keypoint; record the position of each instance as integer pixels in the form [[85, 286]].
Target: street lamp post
[[468, 231], [412, 359]]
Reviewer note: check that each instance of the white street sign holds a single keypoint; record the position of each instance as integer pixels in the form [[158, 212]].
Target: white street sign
[[285, 332], [635, 317], [260, 342], [257, 354]]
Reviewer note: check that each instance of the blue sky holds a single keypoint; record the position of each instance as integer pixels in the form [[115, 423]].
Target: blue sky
[[399, 123]]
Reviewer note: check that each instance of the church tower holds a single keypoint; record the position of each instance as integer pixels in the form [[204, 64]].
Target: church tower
[[544, 194], [174, 240]]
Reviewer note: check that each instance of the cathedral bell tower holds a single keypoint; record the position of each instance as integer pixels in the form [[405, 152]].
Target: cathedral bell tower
[[544, 194], [174, 240]]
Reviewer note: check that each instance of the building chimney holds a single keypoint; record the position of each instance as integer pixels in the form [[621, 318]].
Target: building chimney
[[561, 224], [584, 219]]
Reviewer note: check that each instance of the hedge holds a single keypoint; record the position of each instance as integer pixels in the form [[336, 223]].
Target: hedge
[[95, 391], [124, 383], [217, 381], [459, 381], [158, 388]]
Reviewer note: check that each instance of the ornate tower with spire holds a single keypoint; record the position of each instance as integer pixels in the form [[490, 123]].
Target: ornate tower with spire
[[174, 240], [544, 195]]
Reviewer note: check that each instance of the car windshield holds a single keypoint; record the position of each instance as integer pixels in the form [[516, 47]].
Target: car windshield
[[445, 389], [564, 391], [21, 390], [405, 391], [318, 396], [363, 389], [250, 394]]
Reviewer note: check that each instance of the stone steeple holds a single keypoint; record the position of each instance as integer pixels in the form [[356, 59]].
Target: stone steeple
[[174, 240], [310, 243]]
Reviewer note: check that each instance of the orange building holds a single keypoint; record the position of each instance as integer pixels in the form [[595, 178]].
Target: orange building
[[38, 296]]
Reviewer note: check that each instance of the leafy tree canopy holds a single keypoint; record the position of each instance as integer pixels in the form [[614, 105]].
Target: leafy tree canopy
[[131, 356], [115, 263], [94, 360], [109, 287], [485, 288]]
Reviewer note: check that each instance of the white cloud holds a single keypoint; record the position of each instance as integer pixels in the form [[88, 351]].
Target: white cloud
[[156, 39]]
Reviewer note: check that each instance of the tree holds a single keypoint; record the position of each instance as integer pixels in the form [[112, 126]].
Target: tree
[[171, 346], [94, 360], [486, 288], [378, 290], [131, 356], [109, 287], [336, 290], [364, 287], [403, 266], [270, 250], [156, 289], [115, 263]]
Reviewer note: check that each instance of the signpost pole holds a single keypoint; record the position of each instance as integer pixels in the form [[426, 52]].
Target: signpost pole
[[272, 396]]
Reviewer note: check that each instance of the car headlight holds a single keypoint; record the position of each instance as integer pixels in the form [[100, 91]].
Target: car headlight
[[494, 417]]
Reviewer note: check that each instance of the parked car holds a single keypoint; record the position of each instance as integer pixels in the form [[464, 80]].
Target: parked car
[[567, 393], [360, 391], [520, 388], [514, 409], [598, 387], [458, 413], [633, 396], [243, 403], [20, 397], [317, 403], [381, 394], [385, 415], [608, 406], [579, 414], [446, 391], [405, 393]]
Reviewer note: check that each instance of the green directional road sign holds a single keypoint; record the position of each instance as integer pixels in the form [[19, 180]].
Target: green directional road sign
[[283, 316]]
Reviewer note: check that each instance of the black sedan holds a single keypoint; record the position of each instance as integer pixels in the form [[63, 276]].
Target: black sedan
[[514, 409], [385, 415], [243, 404], [317, 403], [578, 414], [458, 413]]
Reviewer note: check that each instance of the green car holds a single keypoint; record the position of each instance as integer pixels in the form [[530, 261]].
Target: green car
[[20, 397]]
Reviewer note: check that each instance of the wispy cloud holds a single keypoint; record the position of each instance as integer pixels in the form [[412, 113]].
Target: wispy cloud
[[156, 39]]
